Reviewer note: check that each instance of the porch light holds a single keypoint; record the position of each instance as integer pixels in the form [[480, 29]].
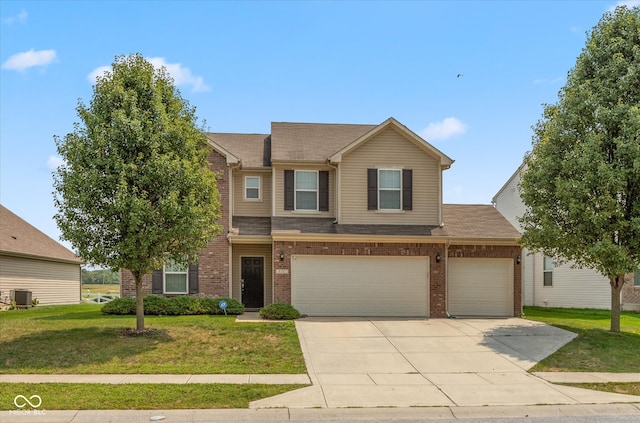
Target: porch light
[[281, 255], [518, 259], [438, 257]]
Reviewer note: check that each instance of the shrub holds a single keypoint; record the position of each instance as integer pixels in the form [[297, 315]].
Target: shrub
[[120, 306], [176, 306], [279, 311], [156, 305]]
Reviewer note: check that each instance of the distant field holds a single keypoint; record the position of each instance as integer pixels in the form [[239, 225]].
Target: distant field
[[100, 289]]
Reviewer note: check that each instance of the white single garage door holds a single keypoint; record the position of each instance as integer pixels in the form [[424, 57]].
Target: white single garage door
[[360, 286], [480, 287]]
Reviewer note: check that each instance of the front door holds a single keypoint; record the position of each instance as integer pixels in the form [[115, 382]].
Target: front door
[[252, 282]]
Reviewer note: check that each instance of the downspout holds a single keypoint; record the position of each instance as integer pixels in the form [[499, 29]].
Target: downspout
[[446, 278], [231, 213], [337, 192]]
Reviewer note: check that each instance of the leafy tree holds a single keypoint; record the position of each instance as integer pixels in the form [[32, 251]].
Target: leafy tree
[[136, 190], [582, 181]]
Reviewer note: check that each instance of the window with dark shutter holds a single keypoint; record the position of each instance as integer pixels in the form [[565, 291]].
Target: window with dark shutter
[[156, 281], [193, 279], [323, 190], [289, 189], [372, 189], [407, 189]]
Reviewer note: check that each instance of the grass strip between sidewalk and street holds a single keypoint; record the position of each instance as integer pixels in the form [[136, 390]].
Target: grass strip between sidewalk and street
[[77, 396], [79, 339], [595, 349], [630, 388]]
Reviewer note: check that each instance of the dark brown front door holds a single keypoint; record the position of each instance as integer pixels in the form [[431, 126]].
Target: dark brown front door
[[253, 282]]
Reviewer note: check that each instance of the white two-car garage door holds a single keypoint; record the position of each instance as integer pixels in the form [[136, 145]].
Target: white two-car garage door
[[480, 287], [360, 286]]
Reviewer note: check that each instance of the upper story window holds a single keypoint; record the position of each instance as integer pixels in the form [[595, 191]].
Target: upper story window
[[306, 190], [251, 187], [547, 271], [389, 189], [176, 278]]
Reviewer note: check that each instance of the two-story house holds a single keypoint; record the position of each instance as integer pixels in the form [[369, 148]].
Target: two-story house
[[348, 220], [548, 283]]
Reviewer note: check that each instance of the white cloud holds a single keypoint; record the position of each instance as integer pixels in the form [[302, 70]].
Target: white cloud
[[29, 59], [54, 162], [181, 75], [447, 128], [20, 18], [628, 3]]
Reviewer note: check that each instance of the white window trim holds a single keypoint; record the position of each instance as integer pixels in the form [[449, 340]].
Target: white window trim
[[164, 280], [399, 209], [295, 192], [545, 271], [259, 188]]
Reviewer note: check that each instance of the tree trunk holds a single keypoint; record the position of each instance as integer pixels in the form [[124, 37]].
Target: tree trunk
[[139, 302], [616, 287]]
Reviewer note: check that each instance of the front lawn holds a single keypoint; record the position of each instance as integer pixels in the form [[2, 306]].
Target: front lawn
[[79, 339], [68, 396], [595, 349]]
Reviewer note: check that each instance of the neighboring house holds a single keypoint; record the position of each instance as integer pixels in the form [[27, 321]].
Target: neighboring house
[[347, 220], [30, 260], [548, 284]]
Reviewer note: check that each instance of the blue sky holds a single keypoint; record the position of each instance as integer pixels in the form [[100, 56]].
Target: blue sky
[[246, 64]]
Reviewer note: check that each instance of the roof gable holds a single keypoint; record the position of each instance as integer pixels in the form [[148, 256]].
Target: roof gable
[[445, 161], [18, 237], [246, 149]]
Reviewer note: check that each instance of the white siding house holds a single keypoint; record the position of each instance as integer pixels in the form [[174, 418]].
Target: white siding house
[[565, 285], [30, 260]]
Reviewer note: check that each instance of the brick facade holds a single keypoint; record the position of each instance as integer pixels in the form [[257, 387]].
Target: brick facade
[[631, 295], [213, 265], [437, 277]]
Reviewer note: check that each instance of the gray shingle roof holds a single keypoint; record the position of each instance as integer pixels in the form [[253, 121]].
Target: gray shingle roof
[[21, 238], [249, 148], [312, 142], [475, 221]]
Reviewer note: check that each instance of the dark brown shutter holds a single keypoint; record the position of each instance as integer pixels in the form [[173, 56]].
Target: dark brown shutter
[[289, 191], [156, 282], [193, 278], [372, 189], [407, 189], [323, 190]]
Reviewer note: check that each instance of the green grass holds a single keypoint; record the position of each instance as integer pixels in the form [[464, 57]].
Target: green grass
[[70, 396], [615, 387], [595, 349], [100, 288], [79, 339]]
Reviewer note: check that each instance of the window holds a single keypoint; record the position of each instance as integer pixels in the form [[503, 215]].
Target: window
[[548, 271], [306, 190], [252, 188], [636, 278], [176, 278], [389, 189]]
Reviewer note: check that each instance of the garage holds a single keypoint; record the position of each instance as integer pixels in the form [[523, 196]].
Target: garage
[[360, 286], [480, 287]]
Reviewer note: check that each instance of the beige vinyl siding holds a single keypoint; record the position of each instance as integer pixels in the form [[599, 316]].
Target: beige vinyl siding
[[509, 203], [50, 282], [390, 150], [254, 208], [261, 250], [572, 287], [279, 189]]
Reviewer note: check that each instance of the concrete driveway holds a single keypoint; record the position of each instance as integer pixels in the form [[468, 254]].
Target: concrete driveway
[[380, 362]]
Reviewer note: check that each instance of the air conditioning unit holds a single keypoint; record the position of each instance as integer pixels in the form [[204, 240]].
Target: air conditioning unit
[[22, 297]]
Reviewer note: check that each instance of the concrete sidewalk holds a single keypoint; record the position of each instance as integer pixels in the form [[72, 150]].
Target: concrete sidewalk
[[333, 414], [265, 379]]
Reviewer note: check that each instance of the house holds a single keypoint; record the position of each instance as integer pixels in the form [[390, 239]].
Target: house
[[30, 260], [549, 284], [347, 220]]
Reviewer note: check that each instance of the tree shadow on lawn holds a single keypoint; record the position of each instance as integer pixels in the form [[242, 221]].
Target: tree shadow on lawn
[[71, 350]]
